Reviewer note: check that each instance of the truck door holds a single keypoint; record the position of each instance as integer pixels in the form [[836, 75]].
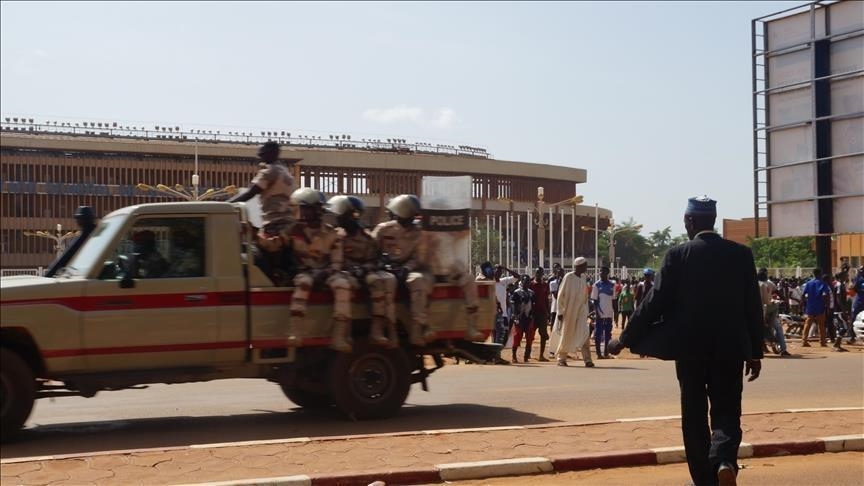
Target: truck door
[[168, 313]]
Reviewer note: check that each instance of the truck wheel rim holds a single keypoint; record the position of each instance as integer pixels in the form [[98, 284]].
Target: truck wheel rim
[[371, 378]]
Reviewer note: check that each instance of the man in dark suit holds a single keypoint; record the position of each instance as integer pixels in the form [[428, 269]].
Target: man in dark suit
[[678, 321]]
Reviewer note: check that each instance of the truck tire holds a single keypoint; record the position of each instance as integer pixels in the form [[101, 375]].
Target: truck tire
[[371, 382], [17, 392], [306, 398]]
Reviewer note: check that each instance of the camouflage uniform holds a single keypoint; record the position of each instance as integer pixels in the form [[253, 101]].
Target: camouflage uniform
[[318, 251], [362, 261], [405, 252], [277, 212]]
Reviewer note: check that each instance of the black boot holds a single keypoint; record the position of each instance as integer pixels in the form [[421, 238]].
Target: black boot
[[527, 354], [542, 351], [514, 356]]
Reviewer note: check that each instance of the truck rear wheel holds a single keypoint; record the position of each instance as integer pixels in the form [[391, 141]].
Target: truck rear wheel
[[371, 382], [17, 392]]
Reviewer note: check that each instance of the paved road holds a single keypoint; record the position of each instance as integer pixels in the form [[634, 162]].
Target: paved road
[[461, 396], [840, 469]]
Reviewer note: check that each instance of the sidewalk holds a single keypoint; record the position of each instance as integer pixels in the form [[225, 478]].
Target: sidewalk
[[433, 456]]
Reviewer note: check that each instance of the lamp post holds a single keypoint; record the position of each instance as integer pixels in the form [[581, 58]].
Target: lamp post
[[58, 237], [610, 232], [541, 230], [194, 195]]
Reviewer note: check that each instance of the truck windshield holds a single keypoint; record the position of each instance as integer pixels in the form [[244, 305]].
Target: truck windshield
[[90, 254]]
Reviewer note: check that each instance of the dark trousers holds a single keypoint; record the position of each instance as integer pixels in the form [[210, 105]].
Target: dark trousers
[[719, 382], [603, 334]]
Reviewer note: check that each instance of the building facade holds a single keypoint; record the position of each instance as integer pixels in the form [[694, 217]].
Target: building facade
[[47, 172]]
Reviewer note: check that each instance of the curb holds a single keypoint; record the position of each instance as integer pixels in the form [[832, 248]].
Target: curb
[[539, 465]]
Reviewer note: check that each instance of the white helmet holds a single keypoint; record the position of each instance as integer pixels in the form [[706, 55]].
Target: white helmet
[[342, 205], [306, 196], [406, 206]]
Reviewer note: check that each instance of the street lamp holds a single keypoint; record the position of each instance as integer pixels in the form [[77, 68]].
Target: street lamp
[[182, 192], [59, 237], [610, 232]]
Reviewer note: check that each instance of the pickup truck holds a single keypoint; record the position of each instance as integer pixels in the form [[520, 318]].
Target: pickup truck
[[96, 322]]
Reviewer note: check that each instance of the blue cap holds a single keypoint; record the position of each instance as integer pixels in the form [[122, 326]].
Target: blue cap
[[648, 271], [703, 206]]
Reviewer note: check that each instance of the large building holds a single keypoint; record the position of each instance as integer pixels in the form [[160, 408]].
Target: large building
[[48, 170]]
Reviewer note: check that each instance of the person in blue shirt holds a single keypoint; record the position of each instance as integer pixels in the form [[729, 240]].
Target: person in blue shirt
[[816, 295], [601, 294]]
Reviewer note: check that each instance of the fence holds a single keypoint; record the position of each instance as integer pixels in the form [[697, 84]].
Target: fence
[[11, 272]]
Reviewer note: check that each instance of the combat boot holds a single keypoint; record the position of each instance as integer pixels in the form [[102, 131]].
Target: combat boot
[[341, 341], [376, 331]]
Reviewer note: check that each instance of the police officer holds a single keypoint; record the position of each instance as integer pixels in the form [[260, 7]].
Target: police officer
[[364, 267], [400, 240], [318, 251]]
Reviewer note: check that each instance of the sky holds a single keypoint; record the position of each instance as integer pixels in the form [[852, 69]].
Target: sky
[[653, 99]]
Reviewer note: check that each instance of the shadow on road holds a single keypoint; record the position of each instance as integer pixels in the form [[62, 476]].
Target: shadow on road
[[163, 432]]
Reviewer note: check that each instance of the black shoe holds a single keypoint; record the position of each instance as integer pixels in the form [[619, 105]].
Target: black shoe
[[785, 353], [726, 475], [589, 364], [561, 362]]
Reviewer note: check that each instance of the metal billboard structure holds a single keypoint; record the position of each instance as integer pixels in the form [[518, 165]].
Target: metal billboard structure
[[808, 121]]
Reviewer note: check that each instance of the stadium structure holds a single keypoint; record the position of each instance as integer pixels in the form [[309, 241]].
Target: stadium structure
[[50, 168]]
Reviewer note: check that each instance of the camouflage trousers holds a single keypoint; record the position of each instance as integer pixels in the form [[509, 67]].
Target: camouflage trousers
[[338, 282], [382, 292]]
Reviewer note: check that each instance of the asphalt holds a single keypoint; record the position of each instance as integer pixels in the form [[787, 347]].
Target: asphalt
[[435, 456]]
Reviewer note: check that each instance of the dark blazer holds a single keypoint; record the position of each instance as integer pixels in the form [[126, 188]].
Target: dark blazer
[[705, 304]]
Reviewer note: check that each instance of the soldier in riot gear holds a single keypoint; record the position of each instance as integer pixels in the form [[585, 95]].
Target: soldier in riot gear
[[401, 243], [318, 251], [362, 262]]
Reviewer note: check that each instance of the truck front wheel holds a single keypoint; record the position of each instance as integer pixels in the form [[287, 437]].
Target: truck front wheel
[[17, 392], [371, 382]]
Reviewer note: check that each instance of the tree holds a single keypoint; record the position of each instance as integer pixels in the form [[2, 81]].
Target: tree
[[478, 245], [783, 252]]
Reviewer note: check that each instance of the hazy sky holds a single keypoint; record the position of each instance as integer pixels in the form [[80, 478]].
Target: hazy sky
[[653, 99]]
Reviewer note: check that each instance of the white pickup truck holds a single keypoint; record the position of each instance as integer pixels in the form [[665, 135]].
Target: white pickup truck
[[95, 323]]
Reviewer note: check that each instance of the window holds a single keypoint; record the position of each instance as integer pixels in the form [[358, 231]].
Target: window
[[163, 248]]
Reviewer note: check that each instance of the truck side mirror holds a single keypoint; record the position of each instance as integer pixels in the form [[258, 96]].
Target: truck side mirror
[[129, 269]]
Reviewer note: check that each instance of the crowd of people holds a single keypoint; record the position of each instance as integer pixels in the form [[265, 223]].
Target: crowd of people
[[829, 305], [528, 306]]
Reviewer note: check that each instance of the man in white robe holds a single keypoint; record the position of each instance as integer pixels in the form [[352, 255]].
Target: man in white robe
[[572, 321]]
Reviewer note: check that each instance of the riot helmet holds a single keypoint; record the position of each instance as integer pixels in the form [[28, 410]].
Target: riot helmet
[[404, 207], [311, 203]]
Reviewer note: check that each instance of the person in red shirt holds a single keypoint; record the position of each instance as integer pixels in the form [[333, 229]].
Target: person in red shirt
[[541, 311]]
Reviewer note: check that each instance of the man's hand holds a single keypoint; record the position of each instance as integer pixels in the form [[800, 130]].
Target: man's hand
[[752, 367], [615, 347]]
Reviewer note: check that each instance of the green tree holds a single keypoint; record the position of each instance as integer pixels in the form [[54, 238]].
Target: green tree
[[478, 246], [783, 252]]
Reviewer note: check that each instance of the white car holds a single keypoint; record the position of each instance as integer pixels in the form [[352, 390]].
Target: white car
[[858, 325]]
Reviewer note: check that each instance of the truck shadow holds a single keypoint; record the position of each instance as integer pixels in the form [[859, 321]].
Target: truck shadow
[[164, 432]]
